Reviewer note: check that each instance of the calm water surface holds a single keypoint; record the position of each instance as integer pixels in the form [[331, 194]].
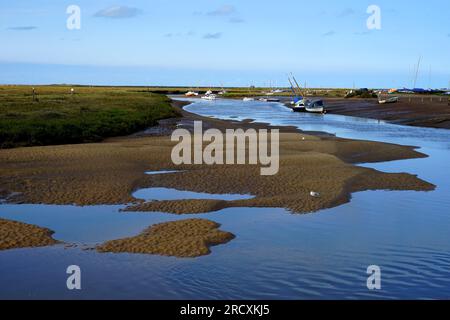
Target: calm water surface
[[276, 255]]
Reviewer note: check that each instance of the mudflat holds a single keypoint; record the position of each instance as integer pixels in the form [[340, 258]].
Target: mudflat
[[14, 235], [109, 172], [186, 239], [415, 110]]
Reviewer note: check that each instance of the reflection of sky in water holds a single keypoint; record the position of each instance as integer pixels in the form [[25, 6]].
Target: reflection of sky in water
[[173, 194], [276, 254]]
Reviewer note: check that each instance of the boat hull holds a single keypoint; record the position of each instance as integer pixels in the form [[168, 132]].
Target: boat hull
[[315, 110]]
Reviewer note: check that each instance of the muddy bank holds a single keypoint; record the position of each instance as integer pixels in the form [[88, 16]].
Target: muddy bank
[[420, 111], [185, 239], [14, 235]]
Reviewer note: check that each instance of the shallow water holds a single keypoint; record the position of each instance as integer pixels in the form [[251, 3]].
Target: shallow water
[[151, 194], [276, 255], [153, 173]]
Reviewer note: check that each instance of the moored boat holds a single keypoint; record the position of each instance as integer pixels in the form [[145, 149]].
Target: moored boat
[[209, 97], [191, 94], [390, 100], [299, 106], [316, 106]]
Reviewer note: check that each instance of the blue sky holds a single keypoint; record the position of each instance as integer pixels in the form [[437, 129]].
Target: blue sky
[[209, 42]]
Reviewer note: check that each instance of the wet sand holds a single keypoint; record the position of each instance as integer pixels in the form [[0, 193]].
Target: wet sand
[[184, 239], [14, 235], [109, 173]]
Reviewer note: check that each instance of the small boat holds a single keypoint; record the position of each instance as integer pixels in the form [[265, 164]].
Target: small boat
[[273, 100], [263, 100], [299, 106], [316, 106], [390, 100], [248, 99], [191, 94], [209, 97]]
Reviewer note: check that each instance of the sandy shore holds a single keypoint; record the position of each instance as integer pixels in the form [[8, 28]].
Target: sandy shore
[[185, 239], [109, 172], [14, 235]]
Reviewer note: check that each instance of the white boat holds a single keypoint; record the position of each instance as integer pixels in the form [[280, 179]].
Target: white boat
[[209, 97], [248, 99], [263, 99], [299, 106], [390, 100], [191, 94], [315, 107]]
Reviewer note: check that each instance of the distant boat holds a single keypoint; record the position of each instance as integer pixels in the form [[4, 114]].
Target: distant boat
[[390, 100], [263, 99], [191, 94], [316, 106], [248, 99], [209, 97]]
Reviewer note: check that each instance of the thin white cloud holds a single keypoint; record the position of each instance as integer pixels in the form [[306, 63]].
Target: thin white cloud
[[213, 36], [118, 12]]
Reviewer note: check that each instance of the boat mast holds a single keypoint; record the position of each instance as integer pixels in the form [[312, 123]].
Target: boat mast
[[299, 89], [417, 72], [292, 86]]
